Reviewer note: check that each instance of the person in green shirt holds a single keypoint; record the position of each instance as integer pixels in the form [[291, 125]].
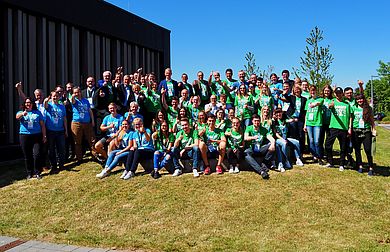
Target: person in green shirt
[[163, 142], [264, 98], [340, 127], [152, 103], [212, 146], [244, 106], [202, 88], [221, 122], [201, 124], [327, 94], [313, 123], [172, 111], [218, 86], [254, 143], [230, 84], [183, 113], [158, 120], [194, 108], [184, 100], [305, 89], [363, 131], [235, 145], [186, 146]]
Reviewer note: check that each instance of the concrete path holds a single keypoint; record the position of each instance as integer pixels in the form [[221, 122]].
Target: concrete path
[[386, 126], [15, 244]]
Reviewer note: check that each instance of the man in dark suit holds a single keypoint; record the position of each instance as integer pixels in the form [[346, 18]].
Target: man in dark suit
[[125, 95]]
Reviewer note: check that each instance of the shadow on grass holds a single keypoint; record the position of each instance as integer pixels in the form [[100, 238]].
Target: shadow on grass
[[11, 171]]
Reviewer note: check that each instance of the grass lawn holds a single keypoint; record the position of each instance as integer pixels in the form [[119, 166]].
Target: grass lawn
[[309, 208]]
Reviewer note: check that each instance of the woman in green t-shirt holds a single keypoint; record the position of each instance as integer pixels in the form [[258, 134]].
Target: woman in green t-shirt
[[163, 142], [363, 131], [313, 123], [327, 94], [244, 106], [235, 145]]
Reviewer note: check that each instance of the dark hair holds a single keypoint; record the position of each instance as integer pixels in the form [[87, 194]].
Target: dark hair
[[175, 98], [229, 70], [33, 105], [367, 110], [286, 71], [211, 116], [273, 74], [260, 79], [255, 116], [347, 89], [179, 116]]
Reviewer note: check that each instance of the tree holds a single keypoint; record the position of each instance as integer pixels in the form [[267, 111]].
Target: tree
[[317, 60], [251, 67], [381, 88]]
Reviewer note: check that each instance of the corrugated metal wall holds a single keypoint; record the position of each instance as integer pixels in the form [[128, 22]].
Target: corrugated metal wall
[[42, 53]]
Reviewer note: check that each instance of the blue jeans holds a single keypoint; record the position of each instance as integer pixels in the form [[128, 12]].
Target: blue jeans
[[268, 157], [314, 133], [194, 153], [161, 159], [113, 159], [282, 150], [56, 140]]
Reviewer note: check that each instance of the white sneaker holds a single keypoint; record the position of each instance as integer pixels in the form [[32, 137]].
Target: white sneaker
[[341, 168], [129, 175], [195, 172], [280, 168], [177, 172], [231, 169], [236, 170], [123, 174], [103, 173], [299, 162]]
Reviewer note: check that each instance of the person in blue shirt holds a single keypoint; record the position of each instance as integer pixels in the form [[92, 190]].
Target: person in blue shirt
[[57, 130], [32, 133], [110, 125], [124, 141], [142, 149], [82, 123], [132, 114], [276, 87]]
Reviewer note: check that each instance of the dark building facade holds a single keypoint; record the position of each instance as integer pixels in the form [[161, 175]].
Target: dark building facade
[[45, 43]]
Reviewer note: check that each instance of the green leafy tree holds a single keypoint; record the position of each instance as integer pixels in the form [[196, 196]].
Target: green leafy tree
[[381, 88], [251, 67], [315, 65]]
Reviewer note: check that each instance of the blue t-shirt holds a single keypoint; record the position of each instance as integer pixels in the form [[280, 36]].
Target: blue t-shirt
[[275, 92], [30, 124], [141, 140], [55, 114], [132, 117], [108, 120], [81, 111], [128, 136]]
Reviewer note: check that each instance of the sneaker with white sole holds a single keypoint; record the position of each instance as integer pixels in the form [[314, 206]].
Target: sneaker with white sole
[[195, 172], [103, 173], [236, 169], [129, 175], [341, 168], [177, 172], [231, 169], [280, 168], [123, 174], [328, 165], [299, 162]]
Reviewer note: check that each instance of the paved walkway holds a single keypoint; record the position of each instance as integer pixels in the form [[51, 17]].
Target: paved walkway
[[15, 244]]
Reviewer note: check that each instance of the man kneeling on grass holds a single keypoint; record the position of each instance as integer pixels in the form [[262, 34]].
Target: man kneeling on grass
[[186, 146], [213, 145], [254, 138]]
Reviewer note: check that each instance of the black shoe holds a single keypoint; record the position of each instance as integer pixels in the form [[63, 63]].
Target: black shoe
[[29, 177], [264, 175], [79, 162], [54, 171], [320, 162], [37, 176], [156, 175]]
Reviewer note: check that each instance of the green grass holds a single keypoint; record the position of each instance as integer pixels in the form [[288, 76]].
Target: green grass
[[309, 208]]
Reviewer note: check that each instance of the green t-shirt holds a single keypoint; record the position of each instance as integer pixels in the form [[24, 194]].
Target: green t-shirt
[[351, 102], [216, 134], [341, 113], [265, 100], [314, 115], [357, 116], [305, 94], [235, 139], [152, 102], [201, 126], [217, 89], [162, 143], [326, 113], [241, 112], [194, 112], [172, 116], [220, 124], [261, 132], [231, 95], [188, 139]]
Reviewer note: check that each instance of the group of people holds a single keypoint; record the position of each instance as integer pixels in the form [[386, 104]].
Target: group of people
[[132, 118]]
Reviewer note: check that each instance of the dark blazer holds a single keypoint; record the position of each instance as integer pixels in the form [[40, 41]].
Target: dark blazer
[[198, 90], [85, 94], [291, 109], [122, 92]]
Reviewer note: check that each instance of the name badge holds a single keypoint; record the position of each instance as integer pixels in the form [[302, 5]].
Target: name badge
[[55, 120], [361, 123], [30, 124], [285, 106], [82, 115], [311, 117], [211, 148]]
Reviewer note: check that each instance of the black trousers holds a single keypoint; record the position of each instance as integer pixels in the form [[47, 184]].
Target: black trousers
[[135, 157], [324, 131], [234, 158], [341, 135], [31, 146], [364, 137]]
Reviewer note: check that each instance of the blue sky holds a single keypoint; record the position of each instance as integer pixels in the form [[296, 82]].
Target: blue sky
[[215, 35]]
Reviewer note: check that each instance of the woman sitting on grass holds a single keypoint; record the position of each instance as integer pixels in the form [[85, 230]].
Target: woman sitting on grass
[[163, 143], [123, 143], [235, 143]]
